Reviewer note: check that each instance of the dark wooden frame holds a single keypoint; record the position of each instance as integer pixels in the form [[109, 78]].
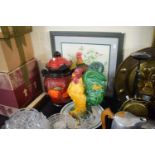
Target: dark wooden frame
[[119, 36]]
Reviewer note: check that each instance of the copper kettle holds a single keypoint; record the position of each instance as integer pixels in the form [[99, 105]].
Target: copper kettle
[[122, 120]]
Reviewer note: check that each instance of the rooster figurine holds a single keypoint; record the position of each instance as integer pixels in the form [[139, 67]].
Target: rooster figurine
[[87, 87], [77, 93], [80, 63], [94, 81]]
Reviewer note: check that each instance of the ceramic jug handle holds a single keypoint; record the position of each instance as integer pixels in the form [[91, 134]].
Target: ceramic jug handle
[[106, 112]]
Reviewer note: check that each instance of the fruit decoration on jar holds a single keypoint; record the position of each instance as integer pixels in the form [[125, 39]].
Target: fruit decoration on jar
[[57, 77]]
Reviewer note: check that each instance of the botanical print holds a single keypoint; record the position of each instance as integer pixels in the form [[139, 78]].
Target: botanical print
[[90, 52]]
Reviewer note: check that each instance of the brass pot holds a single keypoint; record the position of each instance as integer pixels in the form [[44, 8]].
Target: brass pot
[[136, 107]]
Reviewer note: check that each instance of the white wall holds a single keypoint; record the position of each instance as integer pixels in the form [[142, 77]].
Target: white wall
[[136, 37]]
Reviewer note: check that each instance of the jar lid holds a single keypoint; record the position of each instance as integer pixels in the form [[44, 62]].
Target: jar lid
[[58, 62]]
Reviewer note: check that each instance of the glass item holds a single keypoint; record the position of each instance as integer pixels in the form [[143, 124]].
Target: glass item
[[66, 121], [61, 121], [91, 120], [85, 120], [27, 119], [57, 78]]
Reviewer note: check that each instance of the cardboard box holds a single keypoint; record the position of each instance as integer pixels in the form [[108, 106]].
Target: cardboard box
[[14, 31], [20, 86], [15, 51]]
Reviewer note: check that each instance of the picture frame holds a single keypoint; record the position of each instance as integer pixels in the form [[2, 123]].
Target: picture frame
[[106, 47]]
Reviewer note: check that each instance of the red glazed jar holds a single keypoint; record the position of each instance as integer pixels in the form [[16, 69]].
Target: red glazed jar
[[57, 78]]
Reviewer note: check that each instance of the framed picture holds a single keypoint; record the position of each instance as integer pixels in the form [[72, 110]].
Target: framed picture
[[104, 47]]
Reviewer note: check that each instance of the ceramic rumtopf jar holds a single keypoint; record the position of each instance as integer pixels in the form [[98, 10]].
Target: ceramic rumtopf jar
[[57, 78]]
